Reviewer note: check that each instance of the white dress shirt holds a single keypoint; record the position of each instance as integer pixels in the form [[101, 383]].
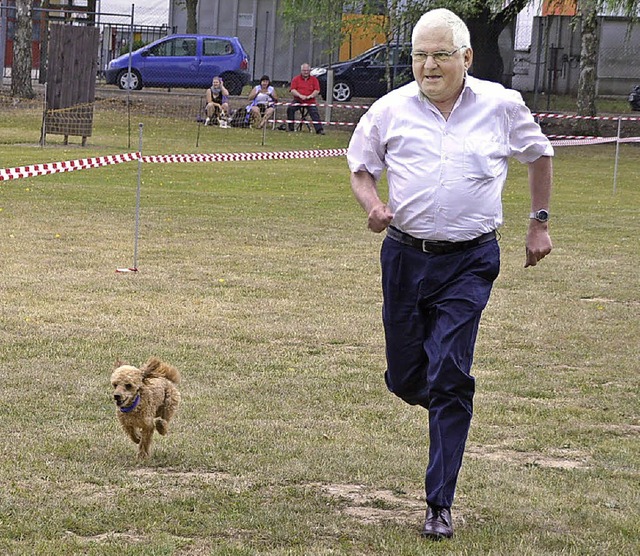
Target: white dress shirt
[[446, 177]]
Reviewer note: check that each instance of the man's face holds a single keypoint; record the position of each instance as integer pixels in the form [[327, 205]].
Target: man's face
[[441, 82], [305, 70]]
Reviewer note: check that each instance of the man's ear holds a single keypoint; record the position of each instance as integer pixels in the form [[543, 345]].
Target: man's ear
[[468, 58]]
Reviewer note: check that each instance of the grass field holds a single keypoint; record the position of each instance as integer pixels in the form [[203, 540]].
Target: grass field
[[260, 282]]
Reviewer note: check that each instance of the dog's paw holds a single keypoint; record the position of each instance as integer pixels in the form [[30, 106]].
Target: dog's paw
[[161, 425]]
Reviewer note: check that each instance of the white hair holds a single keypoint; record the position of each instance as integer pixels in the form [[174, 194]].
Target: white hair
[[442, 17]]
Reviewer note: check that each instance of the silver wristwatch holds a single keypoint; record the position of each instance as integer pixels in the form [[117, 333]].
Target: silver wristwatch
[[541, 215]]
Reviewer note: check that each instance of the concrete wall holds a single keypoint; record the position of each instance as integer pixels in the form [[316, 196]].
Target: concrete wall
[[619, 57]]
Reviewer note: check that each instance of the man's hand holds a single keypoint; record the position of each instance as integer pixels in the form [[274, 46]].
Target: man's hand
[[379, 218], [538, 244]]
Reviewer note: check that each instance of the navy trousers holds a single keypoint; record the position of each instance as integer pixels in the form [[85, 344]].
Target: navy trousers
[[431, 312]]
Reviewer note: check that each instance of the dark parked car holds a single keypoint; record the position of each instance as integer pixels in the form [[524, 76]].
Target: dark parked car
[[634, 98], [364, 75], [183, 61]]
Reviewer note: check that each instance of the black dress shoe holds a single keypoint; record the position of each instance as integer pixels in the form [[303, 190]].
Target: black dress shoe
[[438, 524]]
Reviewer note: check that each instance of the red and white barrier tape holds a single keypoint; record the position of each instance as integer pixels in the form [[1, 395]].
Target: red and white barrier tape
[[243, 157], [82, 164], [312, 122], [68, 166], [576, 117], [570, 141], [323, 105], [535, 114]]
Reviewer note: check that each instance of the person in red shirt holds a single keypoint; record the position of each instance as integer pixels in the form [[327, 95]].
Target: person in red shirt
[[304, 88]]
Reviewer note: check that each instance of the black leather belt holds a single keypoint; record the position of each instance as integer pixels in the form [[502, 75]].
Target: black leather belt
[[438, 247]]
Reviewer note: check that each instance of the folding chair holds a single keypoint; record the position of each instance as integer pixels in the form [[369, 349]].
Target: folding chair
[[305, 119]]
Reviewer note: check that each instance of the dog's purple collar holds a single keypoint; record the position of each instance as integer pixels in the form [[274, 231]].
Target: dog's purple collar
[[132, 406]]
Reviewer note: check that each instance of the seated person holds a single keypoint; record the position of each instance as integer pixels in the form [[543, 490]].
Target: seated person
[[217, 107], [305, 88], [263, 98]]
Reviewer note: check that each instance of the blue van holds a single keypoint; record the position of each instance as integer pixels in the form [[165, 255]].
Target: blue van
[[190, 61]]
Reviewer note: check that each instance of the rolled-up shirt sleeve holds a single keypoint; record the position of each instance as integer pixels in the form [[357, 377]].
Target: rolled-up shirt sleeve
[[526, 140], [366, 152]]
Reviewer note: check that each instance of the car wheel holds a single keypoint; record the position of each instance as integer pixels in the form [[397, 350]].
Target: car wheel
[[128, 80], [233, 83], [342, 91]]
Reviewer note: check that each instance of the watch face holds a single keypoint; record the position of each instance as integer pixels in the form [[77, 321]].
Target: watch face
[[542, 215]]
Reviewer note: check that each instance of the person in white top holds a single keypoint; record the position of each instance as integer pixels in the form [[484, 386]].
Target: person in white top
[[263, 98], [444, 141]]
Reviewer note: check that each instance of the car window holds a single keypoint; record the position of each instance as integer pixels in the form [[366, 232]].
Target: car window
[[398, 55], [174, 47], [378, 58], [217, 47]]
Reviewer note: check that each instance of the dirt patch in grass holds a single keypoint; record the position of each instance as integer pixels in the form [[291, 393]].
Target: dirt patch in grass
[[371, 505], [175, 477], [570, 459], [364, 503]]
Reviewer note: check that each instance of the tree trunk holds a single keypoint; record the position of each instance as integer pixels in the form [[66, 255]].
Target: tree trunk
[[485, 27], [192, 20], [586, 102], [487, 60], [588, 56], [21, 86]]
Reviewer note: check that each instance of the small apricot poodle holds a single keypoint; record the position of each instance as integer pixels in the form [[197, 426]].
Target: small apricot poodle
[[146, 400]]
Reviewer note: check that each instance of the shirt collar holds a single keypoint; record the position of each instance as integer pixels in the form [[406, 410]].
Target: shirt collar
[[467, 85]]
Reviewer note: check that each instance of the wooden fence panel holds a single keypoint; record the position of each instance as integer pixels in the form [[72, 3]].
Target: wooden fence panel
[[71, 80]]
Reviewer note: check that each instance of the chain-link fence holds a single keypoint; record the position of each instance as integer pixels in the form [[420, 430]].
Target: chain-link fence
[[546, 63], [129, 26], [550, 61]]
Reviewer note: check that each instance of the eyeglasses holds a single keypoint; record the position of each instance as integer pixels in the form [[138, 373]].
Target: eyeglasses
[[438, 57]]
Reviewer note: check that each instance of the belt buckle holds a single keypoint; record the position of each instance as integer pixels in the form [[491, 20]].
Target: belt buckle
[[429, 247]]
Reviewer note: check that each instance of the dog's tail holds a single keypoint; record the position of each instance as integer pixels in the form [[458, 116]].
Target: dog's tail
[[155, 368]]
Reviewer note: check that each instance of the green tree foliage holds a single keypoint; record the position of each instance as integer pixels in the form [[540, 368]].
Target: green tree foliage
[[324, 18], [399, 18], [486, 19]]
